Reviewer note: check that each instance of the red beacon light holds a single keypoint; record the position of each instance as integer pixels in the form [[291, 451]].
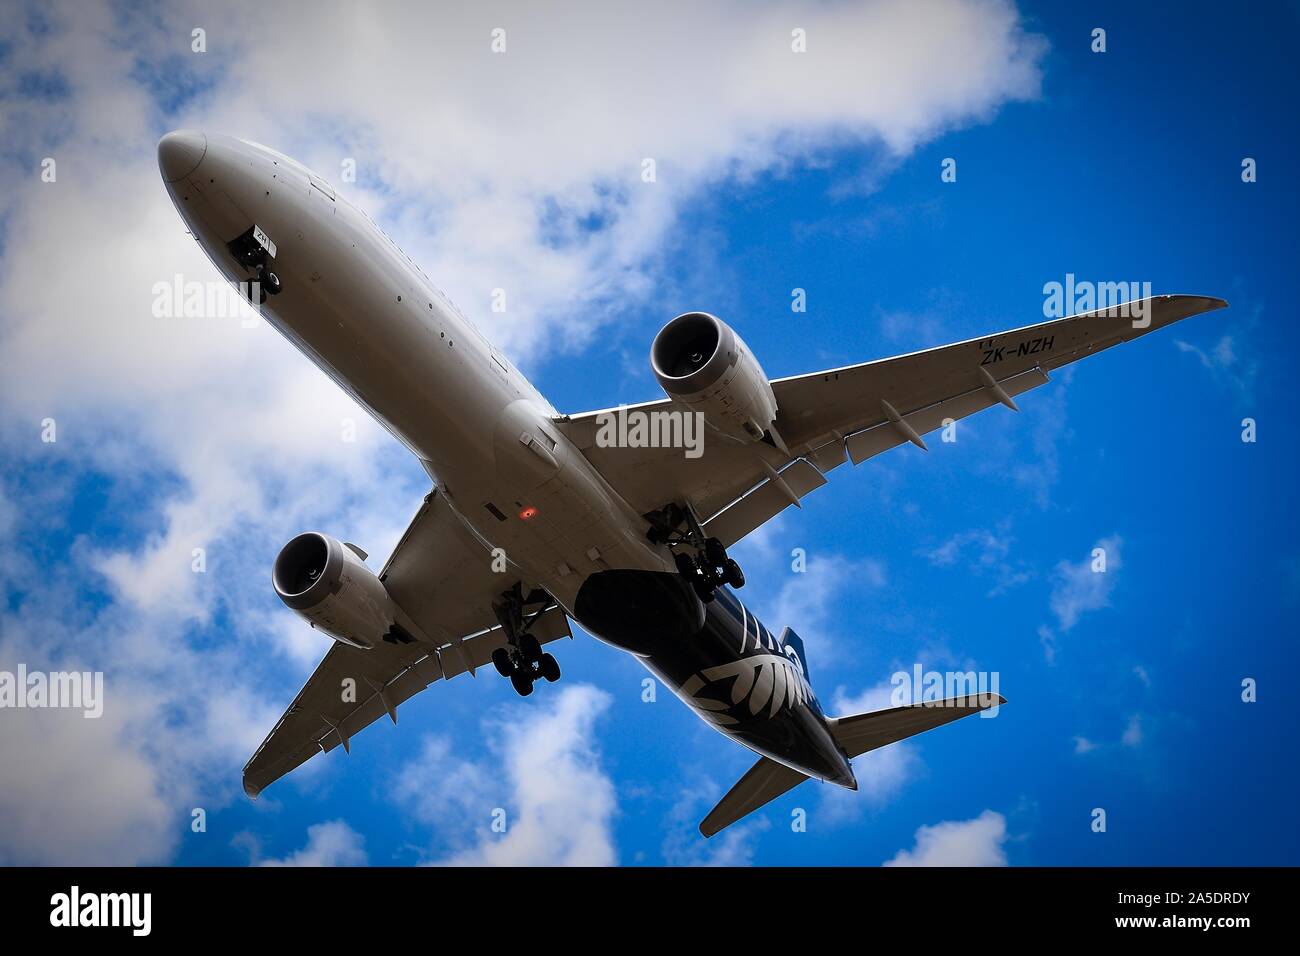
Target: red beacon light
[[528, 512]]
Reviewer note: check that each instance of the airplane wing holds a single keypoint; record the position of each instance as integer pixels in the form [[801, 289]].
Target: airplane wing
[[441, 577], [857, 412]]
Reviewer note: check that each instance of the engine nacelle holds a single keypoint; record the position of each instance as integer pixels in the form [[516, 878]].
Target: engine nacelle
[[703, 364], [328, 584]]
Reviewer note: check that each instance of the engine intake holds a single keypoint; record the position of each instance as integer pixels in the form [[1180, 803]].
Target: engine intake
[[691, 352], [702, 363]]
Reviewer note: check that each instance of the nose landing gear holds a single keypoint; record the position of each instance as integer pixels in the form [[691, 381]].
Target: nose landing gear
[[523, 660], [709, 567], [268, 283], [253, 249]]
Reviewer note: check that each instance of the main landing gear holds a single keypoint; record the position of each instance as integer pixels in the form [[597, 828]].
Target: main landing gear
[[523, 660], [250, 251], [708, 568]]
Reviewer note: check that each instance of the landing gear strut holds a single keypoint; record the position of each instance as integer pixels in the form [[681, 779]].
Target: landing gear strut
[[709, 567], [523, 660]]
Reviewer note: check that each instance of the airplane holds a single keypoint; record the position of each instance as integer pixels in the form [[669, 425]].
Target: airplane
[[536, 517]]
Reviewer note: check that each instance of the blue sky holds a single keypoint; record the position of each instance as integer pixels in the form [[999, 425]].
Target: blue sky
[[1124, 689]]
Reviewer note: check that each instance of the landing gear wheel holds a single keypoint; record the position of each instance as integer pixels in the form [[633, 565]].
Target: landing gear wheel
[[522, 682], [715, 553], [703, 591], [550, 668], [271, 283], [522, 660], [732, 574], [530, 648], [685, 566]]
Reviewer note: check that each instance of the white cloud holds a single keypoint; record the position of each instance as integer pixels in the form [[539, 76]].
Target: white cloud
[[1047, 640], [1132, 736], [1078, 587], [177, 725], [1225, 362], [328, 844], [437, 787], [545, 774], [85, 796], [986, 554], [1027, 446], [915, 329], [976, 842], [1048, 424], [877, 697], [806, 600], [733, 847]]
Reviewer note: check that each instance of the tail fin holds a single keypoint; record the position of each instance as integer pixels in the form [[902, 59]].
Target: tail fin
[[791, 641], [860, 733]]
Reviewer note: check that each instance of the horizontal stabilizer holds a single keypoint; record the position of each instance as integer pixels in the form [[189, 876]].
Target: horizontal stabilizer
[[863, 732], [764, 782], [856, 735]]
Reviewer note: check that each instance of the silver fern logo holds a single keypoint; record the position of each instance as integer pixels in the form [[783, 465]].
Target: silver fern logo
[[763, 681]]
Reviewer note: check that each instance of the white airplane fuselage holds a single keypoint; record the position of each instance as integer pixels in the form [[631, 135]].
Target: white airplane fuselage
[[355, 305], [365, 314]]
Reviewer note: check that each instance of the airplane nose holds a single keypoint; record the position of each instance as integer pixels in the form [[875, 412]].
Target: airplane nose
[[180, 152]]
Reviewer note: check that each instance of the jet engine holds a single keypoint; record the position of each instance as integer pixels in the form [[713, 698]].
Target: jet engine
[[703, 364], [328, 584]]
